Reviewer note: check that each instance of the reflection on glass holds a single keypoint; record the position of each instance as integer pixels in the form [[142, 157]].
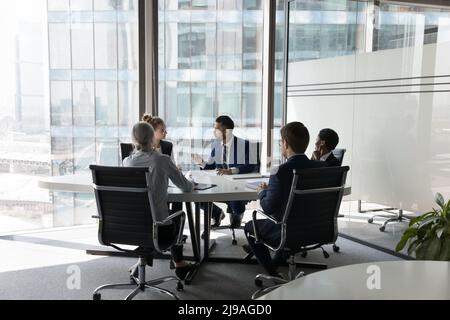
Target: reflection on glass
[[210, 61], [106, 46], [378, 74], [69, 93]]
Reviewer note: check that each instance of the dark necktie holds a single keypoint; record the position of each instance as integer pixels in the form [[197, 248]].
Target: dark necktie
[[224, 157]]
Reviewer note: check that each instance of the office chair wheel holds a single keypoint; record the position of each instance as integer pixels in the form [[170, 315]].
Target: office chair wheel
[[304, 254], [184, 239], [180, 287], [258, 283], [203, 236], [97, 297], [234, 242], [326, 255], [370, 220], [383, 228], [336, 248], [172, 265]]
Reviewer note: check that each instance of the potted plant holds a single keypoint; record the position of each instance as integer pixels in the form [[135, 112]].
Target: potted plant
[[428, 235]]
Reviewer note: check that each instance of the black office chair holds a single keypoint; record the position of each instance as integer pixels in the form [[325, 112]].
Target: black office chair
[[126, 149], [309, 221], [257, 146], [339, 154], [123, 204]]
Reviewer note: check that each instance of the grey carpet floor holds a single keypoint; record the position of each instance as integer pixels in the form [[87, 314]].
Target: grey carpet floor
[[370, 233], [215, 281]]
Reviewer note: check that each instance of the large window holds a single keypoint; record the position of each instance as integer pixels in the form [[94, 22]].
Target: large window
[[93, 89], [210, 62], [69, 97]]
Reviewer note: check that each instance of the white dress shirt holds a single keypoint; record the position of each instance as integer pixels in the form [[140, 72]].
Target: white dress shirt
[[325, 157], [229, 145]]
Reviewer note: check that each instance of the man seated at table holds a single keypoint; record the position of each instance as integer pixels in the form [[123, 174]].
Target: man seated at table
[[326, 143], [230, 155], [274, 196]]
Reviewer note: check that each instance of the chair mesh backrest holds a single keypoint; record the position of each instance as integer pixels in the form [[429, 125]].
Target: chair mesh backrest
[[126, 149], [126, 217], [312, 218], [339, 154]]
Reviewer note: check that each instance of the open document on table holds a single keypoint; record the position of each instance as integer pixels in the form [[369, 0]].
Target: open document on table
[[255, 183]]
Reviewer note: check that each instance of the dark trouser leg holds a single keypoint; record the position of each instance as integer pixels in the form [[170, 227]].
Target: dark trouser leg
[[261, 252], [169, 233], [177, 253], [237, 207], [176, 206], [216, 211]]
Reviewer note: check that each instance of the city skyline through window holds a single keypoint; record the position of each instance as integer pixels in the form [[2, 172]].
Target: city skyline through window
[[69, 96]]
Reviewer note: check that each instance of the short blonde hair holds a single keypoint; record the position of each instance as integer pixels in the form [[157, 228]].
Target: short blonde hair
[[142, 136]]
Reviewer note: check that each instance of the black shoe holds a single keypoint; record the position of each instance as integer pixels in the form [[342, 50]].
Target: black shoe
[[183, 271], [217, 221], [236, 221]]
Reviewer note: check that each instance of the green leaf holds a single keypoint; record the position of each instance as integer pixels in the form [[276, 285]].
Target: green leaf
[[440, 200], [412, 247], [421, 250], [420, 218], [427, 223], [409, 233], [445, 250], [440, 232], [434, 248]]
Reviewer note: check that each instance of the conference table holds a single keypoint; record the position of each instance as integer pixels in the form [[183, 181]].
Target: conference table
[[226, 188], [393, 280]]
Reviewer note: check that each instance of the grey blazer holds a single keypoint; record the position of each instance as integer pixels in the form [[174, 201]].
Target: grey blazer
[[161, 169]]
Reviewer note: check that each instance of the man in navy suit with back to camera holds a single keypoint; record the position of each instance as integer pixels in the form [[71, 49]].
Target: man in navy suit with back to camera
[[274, 196], [230, 155]]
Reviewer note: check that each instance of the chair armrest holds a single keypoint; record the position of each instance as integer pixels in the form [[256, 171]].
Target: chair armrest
[[170, 218], [265, 215], [255, 229]]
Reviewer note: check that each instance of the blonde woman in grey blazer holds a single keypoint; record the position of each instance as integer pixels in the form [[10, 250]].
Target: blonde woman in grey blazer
[[161, 169]]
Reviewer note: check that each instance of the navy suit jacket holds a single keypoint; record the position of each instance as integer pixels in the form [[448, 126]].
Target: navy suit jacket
[[332, 161], [274, 200], [243, 157]]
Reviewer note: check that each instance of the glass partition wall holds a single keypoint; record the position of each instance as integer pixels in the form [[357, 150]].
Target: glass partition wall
[[377, 73]]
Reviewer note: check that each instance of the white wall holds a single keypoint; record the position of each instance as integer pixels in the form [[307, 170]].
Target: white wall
[[396, 130]]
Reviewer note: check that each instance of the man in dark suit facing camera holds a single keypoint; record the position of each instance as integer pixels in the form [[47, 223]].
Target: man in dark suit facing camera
[[230, 155], [274, 196], [326, 143]]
